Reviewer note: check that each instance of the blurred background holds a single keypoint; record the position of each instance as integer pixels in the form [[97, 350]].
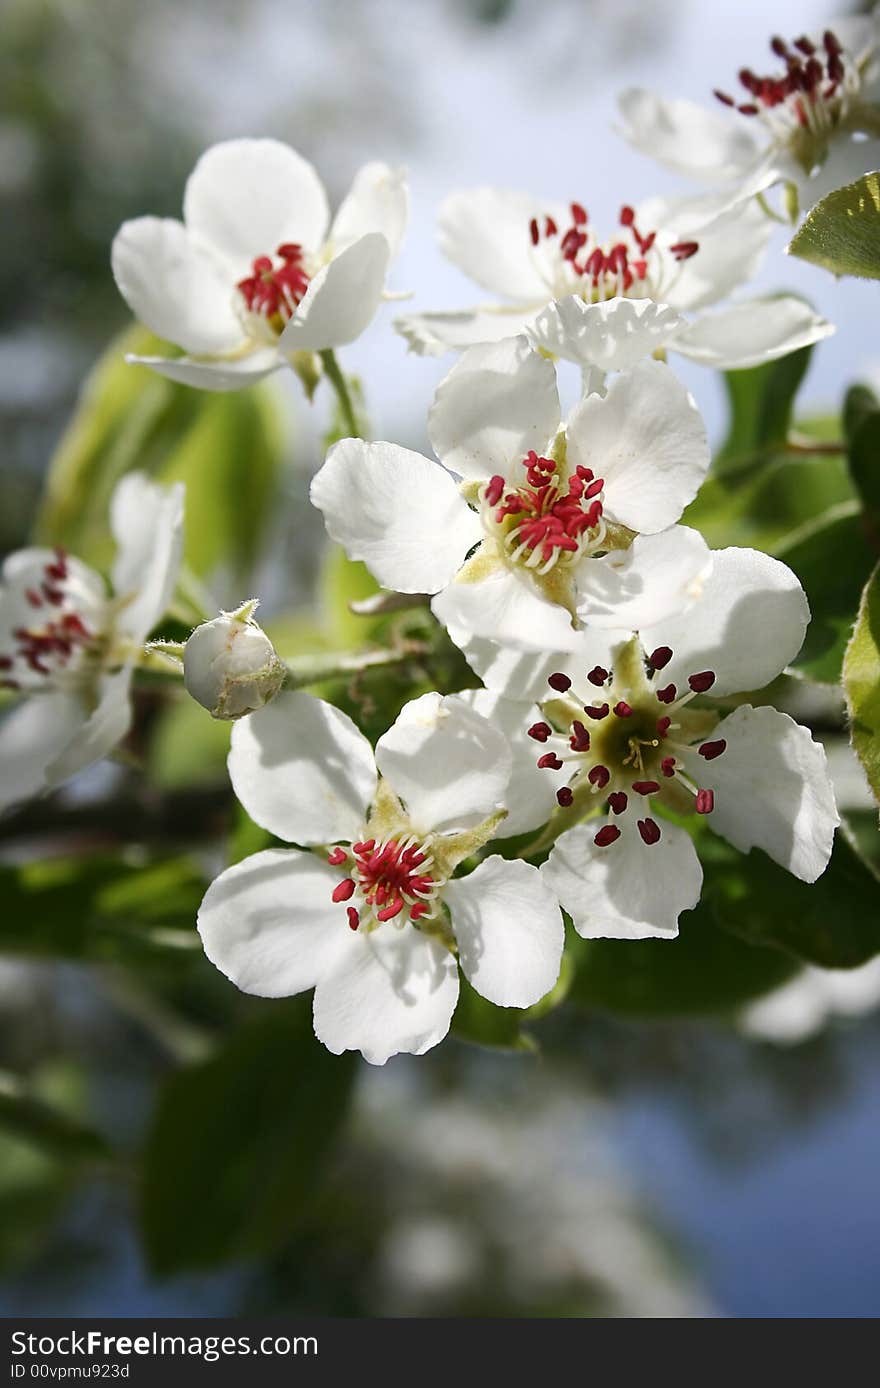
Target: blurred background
[[638, 1165]]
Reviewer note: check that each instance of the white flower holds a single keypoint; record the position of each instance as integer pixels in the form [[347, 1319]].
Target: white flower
[[606, 302], [812, 123], [567, 522], [804, 1005], [375, 924], [72, 647], [252, 276], [230, 666], [619, 729]]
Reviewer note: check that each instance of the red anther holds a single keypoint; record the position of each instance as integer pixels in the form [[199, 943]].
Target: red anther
[[641, 268], [722, 96], [595, 488], [55, 596], [578, 214], [748, 109], [779, 47], [345, 889], [354, 919], [597, 711], [366, 847], [663, 725], [389, 912], [711, 750], [584, 473], [599, 776], [597, 675], [660, 658], [702, 681], [580, 738], [533, 231], [420, 909], [835, 68], [33, 597], [336, 856], [805, 46], [667, 766], [606, 835], [705, 801], [832, 43], [540, 731], [627, 216], [748, 79], [549, 761], [618, 801], [559, 682], [666, 695], [645, 787], [622, 710], [494, 489], [550, 227], [683, 250], [564, 796], [649, 830]]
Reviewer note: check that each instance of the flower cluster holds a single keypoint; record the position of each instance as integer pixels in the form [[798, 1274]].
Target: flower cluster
[[621, 661]]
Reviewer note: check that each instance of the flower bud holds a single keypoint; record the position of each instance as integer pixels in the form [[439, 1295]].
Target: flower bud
[[230, 666]]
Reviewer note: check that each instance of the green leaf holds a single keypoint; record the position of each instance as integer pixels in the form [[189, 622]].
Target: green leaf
[[842, 232], [239, 1143], [761, 401], [833, 922], [832, 558], [226, 447], [26, 1116], [861, 682], [341, 582], [100, 909], [188, 747], [862, 420], [704, 971]]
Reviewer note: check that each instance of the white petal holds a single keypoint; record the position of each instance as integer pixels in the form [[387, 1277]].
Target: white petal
[[448, 764], [402, 514], [248, 197], [530, 797], [342, 298], [174, 287], [104, 729], [509, 931], [612, 336], [32, 735], [747, 334], [748, 623], [432, 334], [627, 890], [506, 606], [147, 524], [690, 139], [520, 675], [847, 160], [497, 403], [213, 375], [658, 577], [730, 252], [393, 990], [696, 214], [377, 201], [647, 440], [270, 925], [302, 769], [772, 790], [485, 232]]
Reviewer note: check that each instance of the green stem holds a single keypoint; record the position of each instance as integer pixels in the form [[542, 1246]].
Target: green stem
[[337, 380], [314, 669]]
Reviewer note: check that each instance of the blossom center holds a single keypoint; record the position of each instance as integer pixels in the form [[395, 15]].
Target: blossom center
[[546, 518], [573, 261], [273, 291], [394, 877], [631, 741], [804, 104], [59, 645]]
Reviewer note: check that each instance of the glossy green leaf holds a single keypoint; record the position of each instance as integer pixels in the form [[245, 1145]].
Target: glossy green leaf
[[861, 682], [842, 232], [239, 1142], [833, 922], [226, 447], [832, 558], [704, 971], [761, 402], [862, 421]]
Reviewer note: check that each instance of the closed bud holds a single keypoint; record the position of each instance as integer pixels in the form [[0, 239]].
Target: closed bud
[[230, 666]]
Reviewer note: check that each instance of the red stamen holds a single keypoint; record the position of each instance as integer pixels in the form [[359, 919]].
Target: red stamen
[[705, 801], [645, 787], [597, 711], [564, 796], [540, 731], [599, 776], [606, 835], [702, 681], [711, 750], [618, 801], [549, 762], [661, 657], [649, 830], [561, 683], [597, 675]]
